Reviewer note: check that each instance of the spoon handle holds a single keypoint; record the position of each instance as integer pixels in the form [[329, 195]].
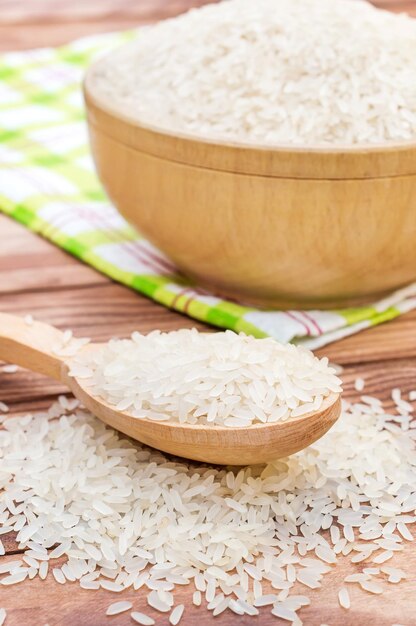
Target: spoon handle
[[30, 345]]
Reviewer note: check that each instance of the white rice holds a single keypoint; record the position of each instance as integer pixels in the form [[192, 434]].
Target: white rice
[[69, 346], [15, 578], [118, 607], [141, 618], [89, 584], [58, 575], [127, 517], [8, 567], [371, 571], [266, 600], [221, 606], [31, 561], [9, 369], [383, 557], [3, 616], [356, 578], [344, 598], [155, 602], [210, 378], [176, 615], [111, 586], [359, 384], [273, 72], [395, 575], [282, 611], [371, 586]]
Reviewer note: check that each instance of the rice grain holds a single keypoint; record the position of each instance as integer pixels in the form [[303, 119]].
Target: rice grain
[[344, 598], [118, 607], [142, 618]]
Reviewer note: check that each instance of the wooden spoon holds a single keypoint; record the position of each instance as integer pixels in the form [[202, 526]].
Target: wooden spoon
[[32, 346]]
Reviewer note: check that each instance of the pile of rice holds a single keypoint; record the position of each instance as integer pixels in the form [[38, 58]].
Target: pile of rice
[[221, 378], [127, 517], [272, 72]]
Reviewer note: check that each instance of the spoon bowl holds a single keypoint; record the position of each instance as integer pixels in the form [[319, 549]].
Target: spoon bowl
[[34, 347]]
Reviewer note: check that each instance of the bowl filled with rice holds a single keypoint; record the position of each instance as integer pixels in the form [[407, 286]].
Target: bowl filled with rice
[[268, 148]]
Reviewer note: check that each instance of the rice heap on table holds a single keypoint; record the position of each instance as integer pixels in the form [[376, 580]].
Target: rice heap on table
[[119, 516]]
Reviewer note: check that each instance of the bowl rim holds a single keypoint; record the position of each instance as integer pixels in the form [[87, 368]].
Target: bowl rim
[[121, 112], [392, 158]]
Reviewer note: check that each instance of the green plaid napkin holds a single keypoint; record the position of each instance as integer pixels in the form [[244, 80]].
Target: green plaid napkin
[[48, 183]]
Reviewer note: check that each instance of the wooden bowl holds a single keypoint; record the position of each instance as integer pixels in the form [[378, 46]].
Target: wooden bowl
[[308, 227]]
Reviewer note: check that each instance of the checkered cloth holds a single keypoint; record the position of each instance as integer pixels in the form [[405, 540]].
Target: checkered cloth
[[48, 183]]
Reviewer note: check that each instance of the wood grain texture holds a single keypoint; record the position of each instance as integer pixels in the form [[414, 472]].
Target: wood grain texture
[[22, 273], [39, 278], [31, 346], [36, 23]]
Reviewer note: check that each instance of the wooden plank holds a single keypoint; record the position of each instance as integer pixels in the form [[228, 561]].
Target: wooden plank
[[30, 263], [398, 6], [34, 24], [99, 311], [58, 11], [391, 340], [26, 37]]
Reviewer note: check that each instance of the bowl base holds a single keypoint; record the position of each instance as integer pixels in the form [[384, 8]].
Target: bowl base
[[285, 303]]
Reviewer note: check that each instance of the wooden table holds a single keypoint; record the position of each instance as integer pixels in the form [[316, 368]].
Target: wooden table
[[38, 278]]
